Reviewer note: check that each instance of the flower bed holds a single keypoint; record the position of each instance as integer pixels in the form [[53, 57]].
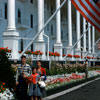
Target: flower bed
[[60, 80], [56, 81]]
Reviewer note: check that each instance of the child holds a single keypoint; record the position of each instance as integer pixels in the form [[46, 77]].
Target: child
[[34, 90]]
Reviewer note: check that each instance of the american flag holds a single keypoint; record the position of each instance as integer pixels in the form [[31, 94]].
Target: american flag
[[98, 45], [90, 9]]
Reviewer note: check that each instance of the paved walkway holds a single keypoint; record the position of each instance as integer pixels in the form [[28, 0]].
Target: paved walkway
[[88, 92]]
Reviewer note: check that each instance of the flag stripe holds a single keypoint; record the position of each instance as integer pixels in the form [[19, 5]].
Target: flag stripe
[[95, 10], [89, 10], [82, 12], [98, 9], [91, 13], [98, 4]]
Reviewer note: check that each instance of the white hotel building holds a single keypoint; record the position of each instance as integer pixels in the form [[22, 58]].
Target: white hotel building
[[21, 20]]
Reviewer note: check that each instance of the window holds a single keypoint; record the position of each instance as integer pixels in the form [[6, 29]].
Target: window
[[61, 17], [31, 21], [32, 47], [48, 27], [61, 34], [51, 9], [6, 11], [31, 1], [47, 6], [19, 16], [21, 44], [51, 29]]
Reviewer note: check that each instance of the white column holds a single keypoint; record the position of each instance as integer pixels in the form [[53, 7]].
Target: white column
[[89, 37], [69, 23], [78, 28], [58, 23], [11, 15], [40, 7], [69, 28], [78, 49], [93, 39], [58, 44], [40, 44], [10, 36], [84, 37]]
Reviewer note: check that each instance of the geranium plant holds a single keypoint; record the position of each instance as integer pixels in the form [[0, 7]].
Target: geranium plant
[[56, 54], [51, 54], [2, 87], [69, 55], [5, 49], [76, 56]]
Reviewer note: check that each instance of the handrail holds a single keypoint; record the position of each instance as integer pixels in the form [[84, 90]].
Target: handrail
[[92, 47], [77, 42], [43, 27]]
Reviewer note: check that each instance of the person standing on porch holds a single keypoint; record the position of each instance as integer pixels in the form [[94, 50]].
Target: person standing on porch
[[23, 71]]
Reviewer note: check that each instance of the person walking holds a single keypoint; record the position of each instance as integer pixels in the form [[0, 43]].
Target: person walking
[[23, 71]]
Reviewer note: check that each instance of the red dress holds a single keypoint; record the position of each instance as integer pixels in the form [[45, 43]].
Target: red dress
[[33, 78], [43, 71]]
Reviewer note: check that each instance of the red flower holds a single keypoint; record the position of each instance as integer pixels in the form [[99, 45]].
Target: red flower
[[5, 49], [76, 56], [3, 83], [51, 54], [69, 55], [64, 55], [3, 89], [56, 54], [88, 57], [19, 51], [28, 52]]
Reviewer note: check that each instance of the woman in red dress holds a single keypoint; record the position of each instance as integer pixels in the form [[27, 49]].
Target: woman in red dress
[[42, 72]]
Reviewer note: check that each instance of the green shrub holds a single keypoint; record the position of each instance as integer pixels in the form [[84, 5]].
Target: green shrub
[[57, 68], [6, 71]]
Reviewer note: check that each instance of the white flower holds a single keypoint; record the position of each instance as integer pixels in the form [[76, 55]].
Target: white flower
[[7, 95]]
